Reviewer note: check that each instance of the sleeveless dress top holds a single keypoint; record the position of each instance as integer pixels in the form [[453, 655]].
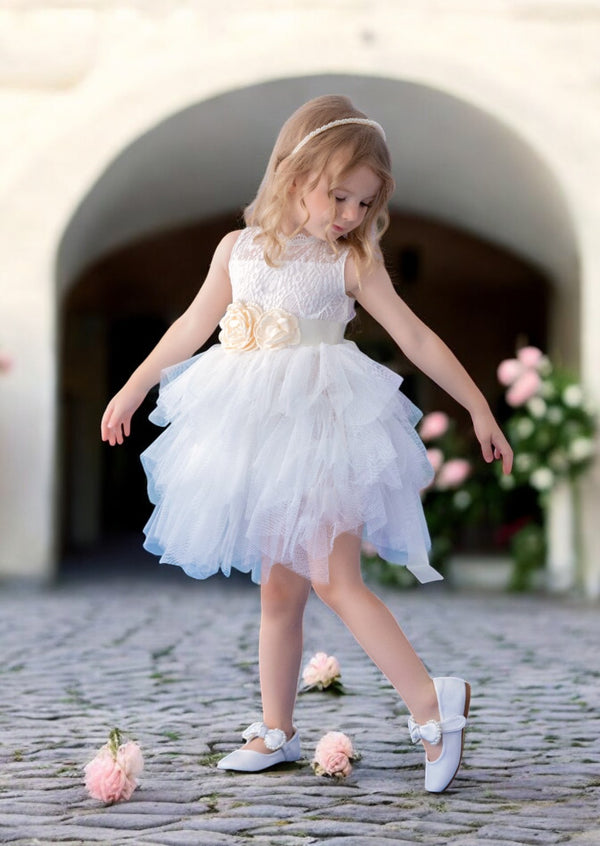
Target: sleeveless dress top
[[284, 435]]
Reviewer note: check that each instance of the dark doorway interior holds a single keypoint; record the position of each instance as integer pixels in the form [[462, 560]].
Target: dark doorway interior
[[480, 299]]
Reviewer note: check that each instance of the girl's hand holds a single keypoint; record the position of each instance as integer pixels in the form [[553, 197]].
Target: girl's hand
[[116, 420], [493, 443]]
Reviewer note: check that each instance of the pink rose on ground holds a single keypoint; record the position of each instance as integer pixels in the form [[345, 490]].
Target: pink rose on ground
[[112, 774], [321, 671], [333, 755], [526, 386], [433, 426], [453, 473]]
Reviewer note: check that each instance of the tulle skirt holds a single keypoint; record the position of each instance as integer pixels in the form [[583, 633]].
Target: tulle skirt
[[271, 454]]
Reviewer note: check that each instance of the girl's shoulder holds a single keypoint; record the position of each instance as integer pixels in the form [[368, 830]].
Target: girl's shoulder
[[243, 243], [228, 242]]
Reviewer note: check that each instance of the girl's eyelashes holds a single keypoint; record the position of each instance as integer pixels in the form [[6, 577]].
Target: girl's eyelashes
[[341, 200]]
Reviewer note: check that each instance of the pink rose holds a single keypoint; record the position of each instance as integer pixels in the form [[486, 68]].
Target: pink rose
[[129, 758], [453, 473], [333, 755], [530, 356], [321, 671], [526, 386], [509, 371], [112, 774], [433, 426], [436, 458]]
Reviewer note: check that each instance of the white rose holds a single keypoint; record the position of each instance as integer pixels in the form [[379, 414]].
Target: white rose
[[537, 407], [558, 460], [547, 390], [542, 479], [581, 448], [523, 462], [276, 329], [572, 396], [462, 500], [238, 327], [555, 415], [525, 427]]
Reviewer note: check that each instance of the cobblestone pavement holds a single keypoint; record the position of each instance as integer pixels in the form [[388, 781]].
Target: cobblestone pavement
[[172, 662]]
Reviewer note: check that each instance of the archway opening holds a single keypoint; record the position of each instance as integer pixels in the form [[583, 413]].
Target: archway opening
[[469, 238]]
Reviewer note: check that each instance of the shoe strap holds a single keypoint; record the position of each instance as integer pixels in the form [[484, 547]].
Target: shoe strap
[[274, 738], [432, 730]]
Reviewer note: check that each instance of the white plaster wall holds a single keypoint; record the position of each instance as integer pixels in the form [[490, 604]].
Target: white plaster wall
[[83, 79]]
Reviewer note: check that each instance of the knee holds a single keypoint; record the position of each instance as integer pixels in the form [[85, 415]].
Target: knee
[[330, 593], [284, 598], [337, 594]]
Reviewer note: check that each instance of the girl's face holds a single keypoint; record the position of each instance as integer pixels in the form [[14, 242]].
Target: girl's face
[[353, 196]]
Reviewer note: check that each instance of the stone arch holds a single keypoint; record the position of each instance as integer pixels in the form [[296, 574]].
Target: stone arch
[[453, 162]]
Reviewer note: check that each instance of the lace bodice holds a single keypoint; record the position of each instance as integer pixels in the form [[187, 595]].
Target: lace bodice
[[309, 282]]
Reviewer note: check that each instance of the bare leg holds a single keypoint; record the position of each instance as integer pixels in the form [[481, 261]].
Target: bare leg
[[283, 598], [377, 631]]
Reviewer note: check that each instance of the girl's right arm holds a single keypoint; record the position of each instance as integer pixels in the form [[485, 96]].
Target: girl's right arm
[[180, 341]]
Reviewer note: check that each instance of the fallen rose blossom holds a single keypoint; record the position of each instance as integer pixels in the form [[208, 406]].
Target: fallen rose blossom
[[321, 671], [333, 755], [111, 776]]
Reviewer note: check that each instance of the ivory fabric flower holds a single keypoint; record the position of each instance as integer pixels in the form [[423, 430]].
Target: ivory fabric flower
[[111, 776], [276, 329], [322, 673], [238, 325], [333, 755]]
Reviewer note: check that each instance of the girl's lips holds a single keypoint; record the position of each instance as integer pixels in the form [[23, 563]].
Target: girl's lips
[[338, 229]]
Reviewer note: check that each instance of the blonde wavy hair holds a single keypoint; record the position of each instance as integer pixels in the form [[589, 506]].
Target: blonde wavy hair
[[337, 150]]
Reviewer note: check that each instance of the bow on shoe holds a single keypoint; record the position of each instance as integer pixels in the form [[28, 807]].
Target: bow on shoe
[[274, 738], [432, 730]]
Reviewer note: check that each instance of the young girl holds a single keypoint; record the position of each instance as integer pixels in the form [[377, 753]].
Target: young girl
[[286, 444]]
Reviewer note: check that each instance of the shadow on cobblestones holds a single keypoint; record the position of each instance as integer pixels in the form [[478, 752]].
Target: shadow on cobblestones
[[172, 662]]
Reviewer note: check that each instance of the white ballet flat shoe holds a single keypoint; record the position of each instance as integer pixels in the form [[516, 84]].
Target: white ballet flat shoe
[[249, 761], [454, 697]]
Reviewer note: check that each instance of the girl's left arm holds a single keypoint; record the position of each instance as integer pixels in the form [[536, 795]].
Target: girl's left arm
[[430, 354]]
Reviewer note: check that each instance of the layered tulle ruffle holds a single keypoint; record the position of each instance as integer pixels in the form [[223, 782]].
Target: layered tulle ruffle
[[270, 455]]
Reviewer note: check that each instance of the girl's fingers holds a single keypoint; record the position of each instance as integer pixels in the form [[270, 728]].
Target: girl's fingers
[[503, 451]]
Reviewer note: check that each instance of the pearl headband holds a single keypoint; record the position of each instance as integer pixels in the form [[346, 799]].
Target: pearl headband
[[342, 122]]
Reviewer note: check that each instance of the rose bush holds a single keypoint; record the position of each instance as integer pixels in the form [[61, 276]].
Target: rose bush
[[552, 427]]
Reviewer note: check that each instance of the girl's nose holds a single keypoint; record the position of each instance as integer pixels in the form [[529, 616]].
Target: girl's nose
[[350, 212]]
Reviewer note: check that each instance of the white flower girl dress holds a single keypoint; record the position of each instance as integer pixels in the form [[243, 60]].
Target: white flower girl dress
[[284, 435]]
